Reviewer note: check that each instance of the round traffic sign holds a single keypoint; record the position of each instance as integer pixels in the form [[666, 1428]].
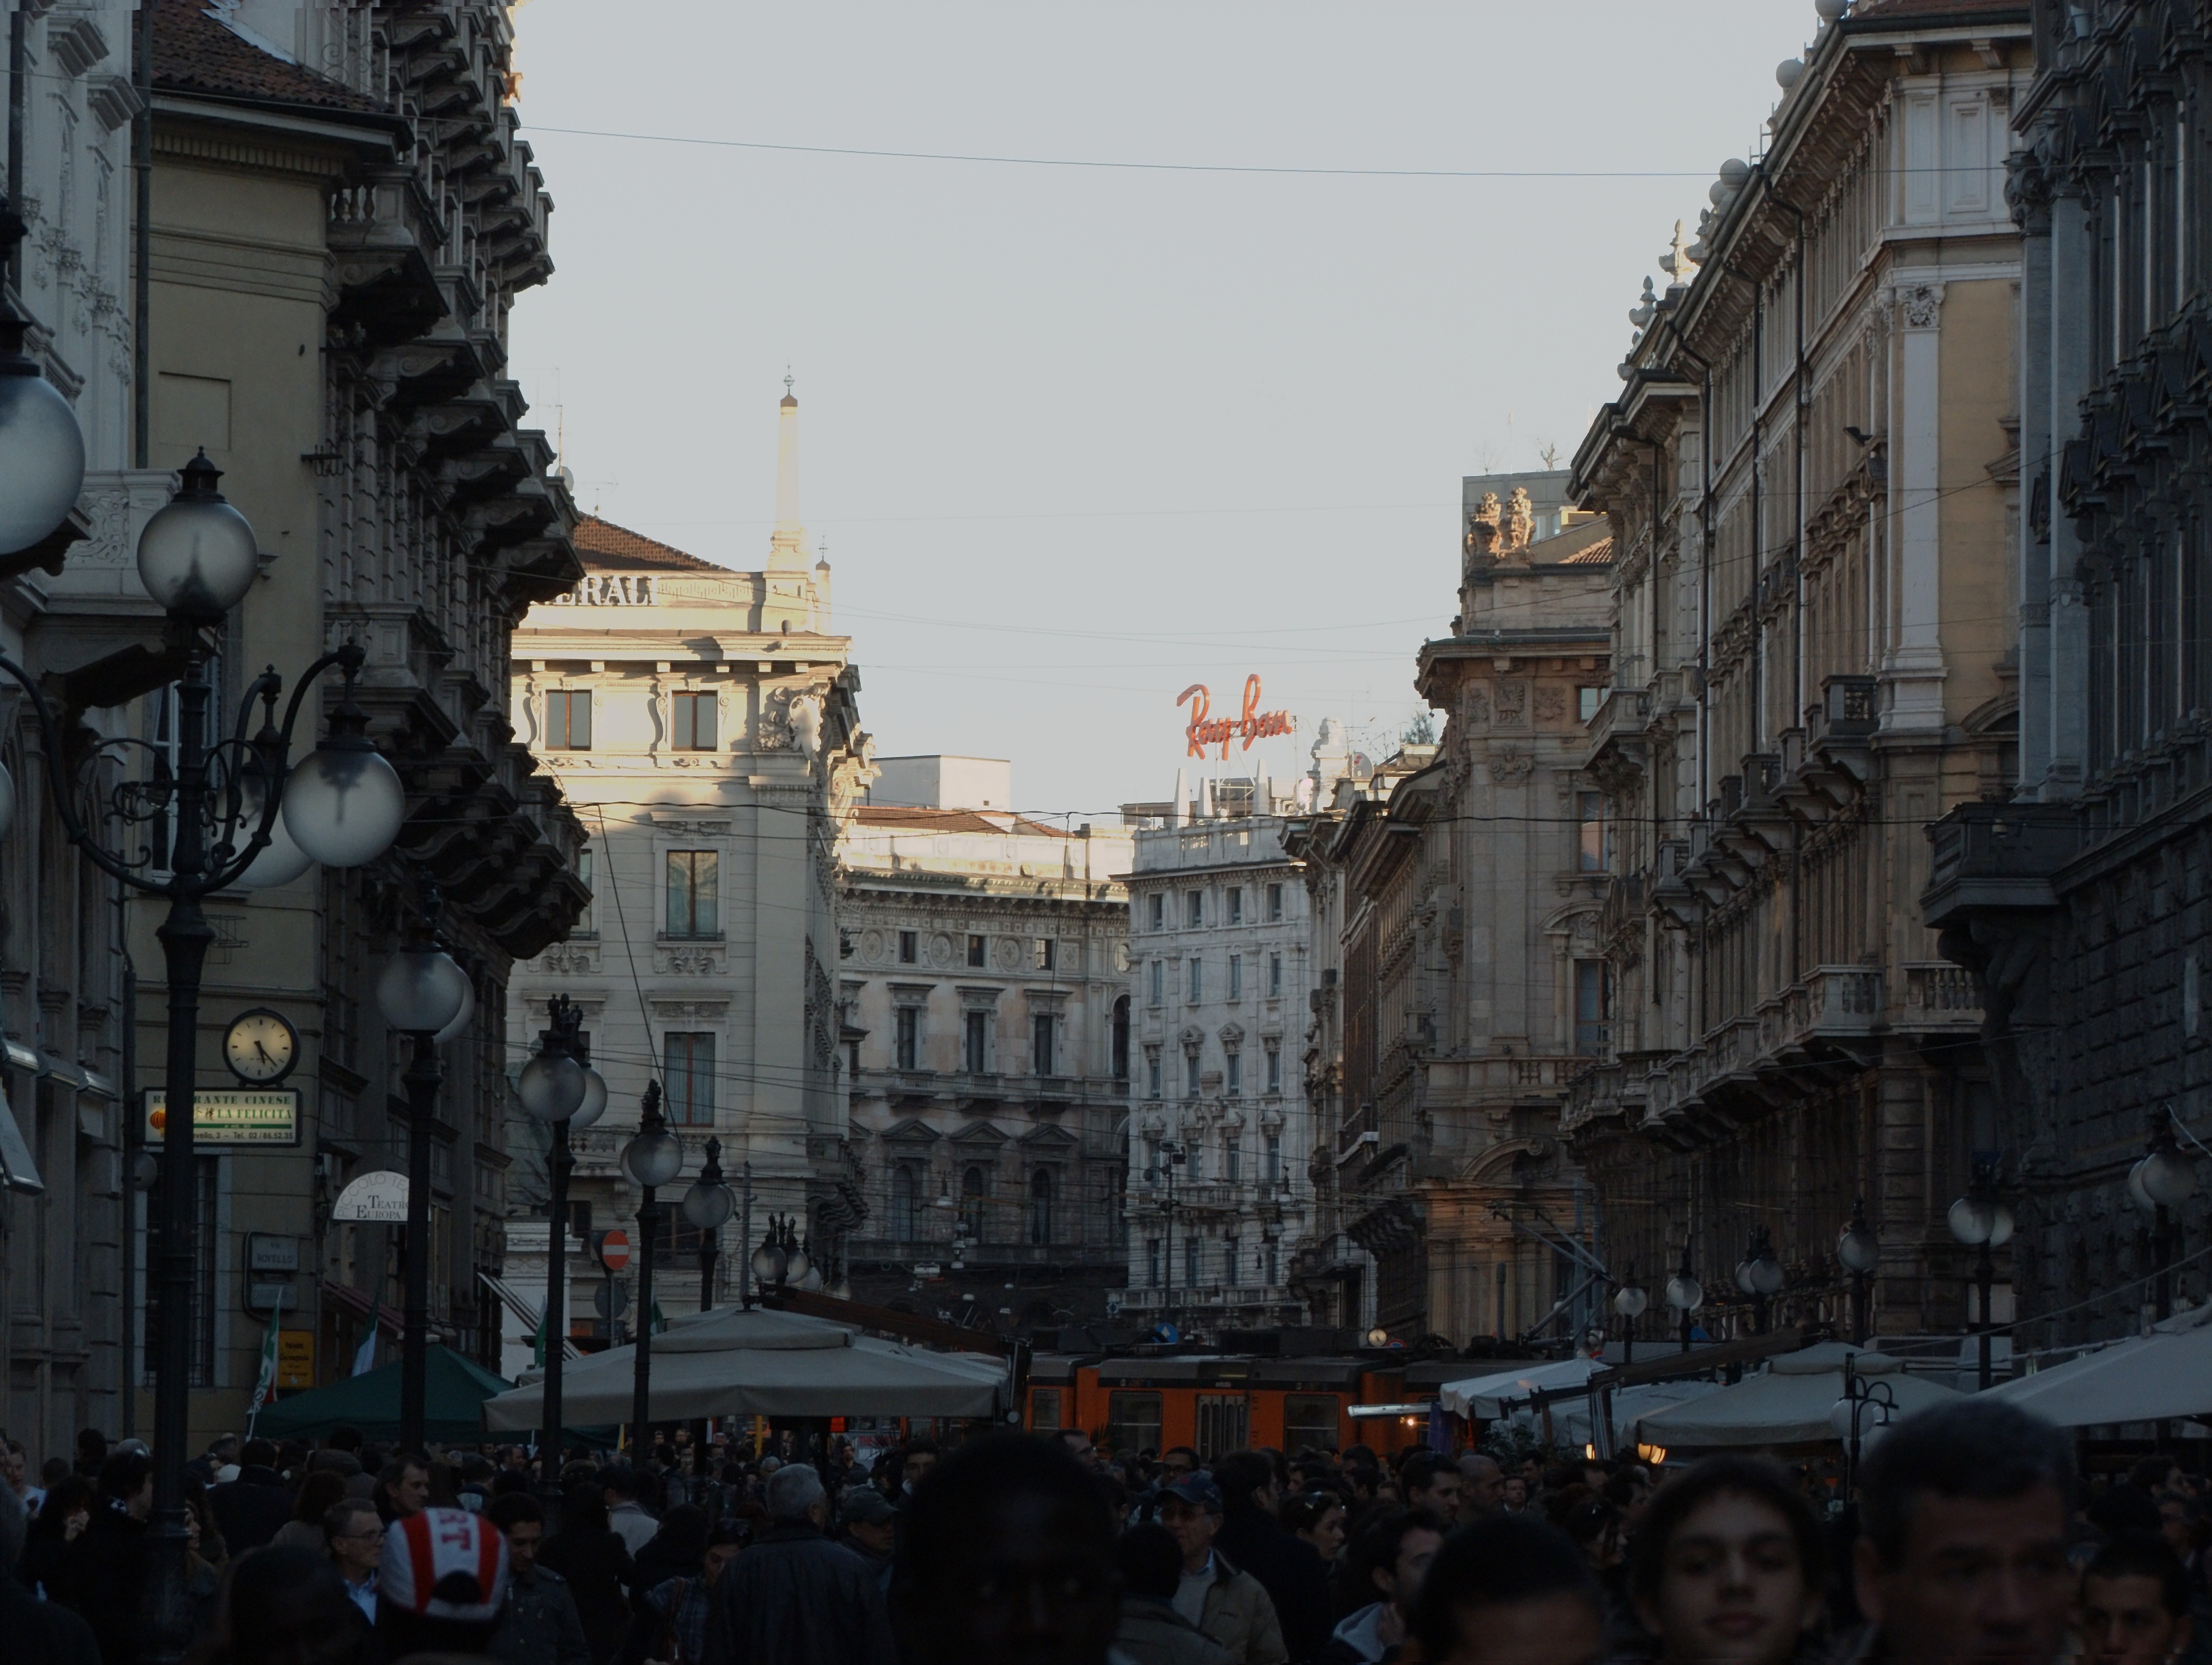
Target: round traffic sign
[[611, 1300], [614, 1249]]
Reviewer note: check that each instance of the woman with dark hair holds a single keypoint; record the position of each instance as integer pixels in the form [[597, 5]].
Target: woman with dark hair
[[1731, 1566], [321, 1488], [284, 1606], [1317, 1518], [679, 1550], [102, 1571], [592, 1556], [65, 1512]]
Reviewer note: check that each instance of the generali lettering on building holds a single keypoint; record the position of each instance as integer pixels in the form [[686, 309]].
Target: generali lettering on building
[[612, 589], [1252, 723]]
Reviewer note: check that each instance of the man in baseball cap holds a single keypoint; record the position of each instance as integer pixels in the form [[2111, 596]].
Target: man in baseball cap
[[441, 1584], [1230, 1607]]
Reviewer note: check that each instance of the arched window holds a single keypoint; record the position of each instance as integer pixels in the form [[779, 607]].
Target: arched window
[[1041, 1206], [974, 1218], [904, 1191]]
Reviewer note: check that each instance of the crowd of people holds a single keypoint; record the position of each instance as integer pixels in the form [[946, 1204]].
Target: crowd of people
[[1972, 1538]]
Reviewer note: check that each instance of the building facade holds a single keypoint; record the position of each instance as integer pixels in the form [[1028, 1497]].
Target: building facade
[[1220, 962], [2080, 905], [1812, 474], [704, 722], [987, 1038]]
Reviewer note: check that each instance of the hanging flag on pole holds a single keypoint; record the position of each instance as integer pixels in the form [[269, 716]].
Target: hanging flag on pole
[[659, 1320], [364, 1358], [538, 1343], [265, 1389]]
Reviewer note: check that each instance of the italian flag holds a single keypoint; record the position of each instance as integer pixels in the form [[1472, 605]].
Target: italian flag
[[265, 1389]]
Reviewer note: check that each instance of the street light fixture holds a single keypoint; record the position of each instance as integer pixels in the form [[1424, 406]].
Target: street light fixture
[[1982, 1223], [1685, 1295], [707, 1205], [1628, 1301], [653, 1158], [423, 994], [1761, 1276], [555, 1087], [768, 1260], [1860, 1252], [41, 447], [2165, 1179], [212, 811]]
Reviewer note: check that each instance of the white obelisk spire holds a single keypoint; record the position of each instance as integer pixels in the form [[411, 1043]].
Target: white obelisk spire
[[787, 549]]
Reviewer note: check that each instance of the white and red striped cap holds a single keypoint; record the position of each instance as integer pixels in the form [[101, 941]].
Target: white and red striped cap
[[444, 1564]]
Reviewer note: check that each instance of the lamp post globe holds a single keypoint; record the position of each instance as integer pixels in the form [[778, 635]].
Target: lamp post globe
[[1972, 1219], [1630, 1300], [41, 455], [797, 1263], [423, 992], [282, 860], [1858, 1249], [1684, 1293], [197, 557], [2168, 1177], [768, 1261], [592, 1104], [344, 802], [551, 1087], [1767, 1275], [653, 1158], [810, 1280], [707, 1205], [460, 1019], [1744, 1279]]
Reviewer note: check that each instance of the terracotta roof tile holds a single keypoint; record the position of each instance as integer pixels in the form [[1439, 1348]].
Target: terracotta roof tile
[[1598, 554], [607, 547], [953, 820], [194, 52]]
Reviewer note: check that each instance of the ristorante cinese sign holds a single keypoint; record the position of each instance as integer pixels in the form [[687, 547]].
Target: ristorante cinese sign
[[1252, 723]]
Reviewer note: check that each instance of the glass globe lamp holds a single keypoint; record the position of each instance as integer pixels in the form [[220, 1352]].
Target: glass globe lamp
[[796, 1265], [655, 1157], [282, 860], [709, 1206], [1630, 1300], [1767, 1276], [460, 1020], [41, 454], [1858, 1249], [2169, 1178], [767, 1262], [343, 802], [593, 1104], [810, 1283], [1972, 1219], [197, 557], [1684, 1293], [422, 990], [551, 1087]]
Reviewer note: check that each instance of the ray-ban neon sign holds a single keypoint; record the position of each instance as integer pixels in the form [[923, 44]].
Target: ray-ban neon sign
[[1252, 723]]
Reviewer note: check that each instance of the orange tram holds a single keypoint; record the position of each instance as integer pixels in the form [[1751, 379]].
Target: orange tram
[[1218, 1403]]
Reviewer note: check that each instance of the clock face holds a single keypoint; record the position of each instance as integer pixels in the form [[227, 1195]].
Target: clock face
[[261, 1047]]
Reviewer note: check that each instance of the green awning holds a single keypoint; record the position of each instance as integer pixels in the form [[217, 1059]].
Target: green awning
[[453, 1391]]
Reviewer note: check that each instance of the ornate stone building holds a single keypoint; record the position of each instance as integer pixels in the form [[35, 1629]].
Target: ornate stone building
[[704, 722], [2080, 903], [1812, 473], [1466, 884], [1220, 1199], [986, 1034]]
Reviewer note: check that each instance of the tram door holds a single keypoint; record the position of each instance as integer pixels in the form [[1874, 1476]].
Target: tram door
[[1224, 1420]]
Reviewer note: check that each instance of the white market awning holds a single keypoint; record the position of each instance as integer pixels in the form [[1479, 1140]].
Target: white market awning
[[2163, 1376]]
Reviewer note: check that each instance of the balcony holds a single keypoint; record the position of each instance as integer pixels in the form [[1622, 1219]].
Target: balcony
[[1833, 1007], [1607, 1094], [1939, 999], [1997, 857]]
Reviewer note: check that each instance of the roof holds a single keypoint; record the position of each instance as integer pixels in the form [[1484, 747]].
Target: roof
[[1586, 544], [196, 51], [1598, 554], [1935, 10], [953, 820], [607, 547]]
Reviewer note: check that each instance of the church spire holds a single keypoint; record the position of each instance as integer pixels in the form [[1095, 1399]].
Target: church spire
[[787, 549]]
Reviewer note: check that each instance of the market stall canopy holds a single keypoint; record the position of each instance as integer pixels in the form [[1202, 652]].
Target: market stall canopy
[[1570, 1418], [454, 1390], [735, 1361], [1486, 1398], [1790, 1404], [2146, 1378]]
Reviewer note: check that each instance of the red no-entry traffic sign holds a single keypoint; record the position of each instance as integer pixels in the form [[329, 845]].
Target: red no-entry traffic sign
[[614, 1249]]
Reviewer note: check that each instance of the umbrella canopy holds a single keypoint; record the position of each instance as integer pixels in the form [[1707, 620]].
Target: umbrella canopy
[[2145, 1379], [1790, 1404], [454, 1389], [1483, 1398], [1570, 1418], [736, 1361]]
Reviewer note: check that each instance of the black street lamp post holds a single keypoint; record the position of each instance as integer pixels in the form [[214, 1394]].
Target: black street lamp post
[[1684, 1294], [1628, 1301], [2165, 1179], [1983, 1224], [1761, 1277], [423, 994], [1860, 1252], [558, 1086], [653, 1158], [707, 1205]]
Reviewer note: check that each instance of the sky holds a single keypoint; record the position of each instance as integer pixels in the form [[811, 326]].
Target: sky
[[1079, 437]]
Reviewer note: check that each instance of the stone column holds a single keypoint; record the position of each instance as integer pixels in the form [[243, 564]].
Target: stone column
[[1913, 666], [2072, 355], [2039, 475]]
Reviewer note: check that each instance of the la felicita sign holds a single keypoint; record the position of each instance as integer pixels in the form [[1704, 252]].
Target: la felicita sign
[[1252, 723], [268, 1116]]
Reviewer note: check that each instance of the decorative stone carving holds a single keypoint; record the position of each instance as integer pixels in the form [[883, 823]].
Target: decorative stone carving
[[1475, 705], [1510, 767], [690, 962], [773, 732], [568, 958], [1512, 701], [1551, 703], [940, 949], [1482, 526], [871, 947], [1923, 304], [1520, 522], [1008, 954]]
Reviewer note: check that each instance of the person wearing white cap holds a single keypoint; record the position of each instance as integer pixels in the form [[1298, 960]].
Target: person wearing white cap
[[441, 1584]]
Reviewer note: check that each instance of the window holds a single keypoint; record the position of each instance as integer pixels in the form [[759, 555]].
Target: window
[[1232, 1156], [1193, 1260], [695, 721], [569, 720], [1122, 1040], [584, 869], [1152, 1263], [694, 893], [689, 1058], [975, 1042], [1232, 1250], [906, 1188], [1589, 702], [1152, 1169], [1194, 909], [1274, 902], [1275, 1055], [1132, 1422], [1312, 1419], [1196, 988], [1153, 1075], [1041, 1221], [1044, 1408], [1044, 955], [906, 1033], [1273, 1265], [975, 1191], [1040, 1045], [1159, 911], [1159, 978], [1235, 1084], [1274, 1173], [1190, 1088], [1274, 976], [1589, 1009], [1236, 904], [1591, 854], [1235, 977], [977, 945], [909, 947]]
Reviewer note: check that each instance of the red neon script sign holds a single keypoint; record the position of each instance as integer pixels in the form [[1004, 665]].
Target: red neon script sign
[[1253, 725]]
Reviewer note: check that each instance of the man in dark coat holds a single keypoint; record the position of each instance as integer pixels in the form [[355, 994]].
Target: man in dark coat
[[795, 1598], [1291, 1570], [250, 1511], [101, 1574], [38, 1632]]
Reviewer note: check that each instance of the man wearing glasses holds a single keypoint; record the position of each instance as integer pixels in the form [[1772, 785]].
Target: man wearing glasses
[[355, 1536]]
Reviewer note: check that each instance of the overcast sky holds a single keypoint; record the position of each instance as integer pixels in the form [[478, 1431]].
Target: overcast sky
[[1080, 437]]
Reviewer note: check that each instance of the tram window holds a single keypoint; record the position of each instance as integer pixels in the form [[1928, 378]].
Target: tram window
[[1132, 1421], [1044, 1409], [1311, 1418], [1223, 1421]]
